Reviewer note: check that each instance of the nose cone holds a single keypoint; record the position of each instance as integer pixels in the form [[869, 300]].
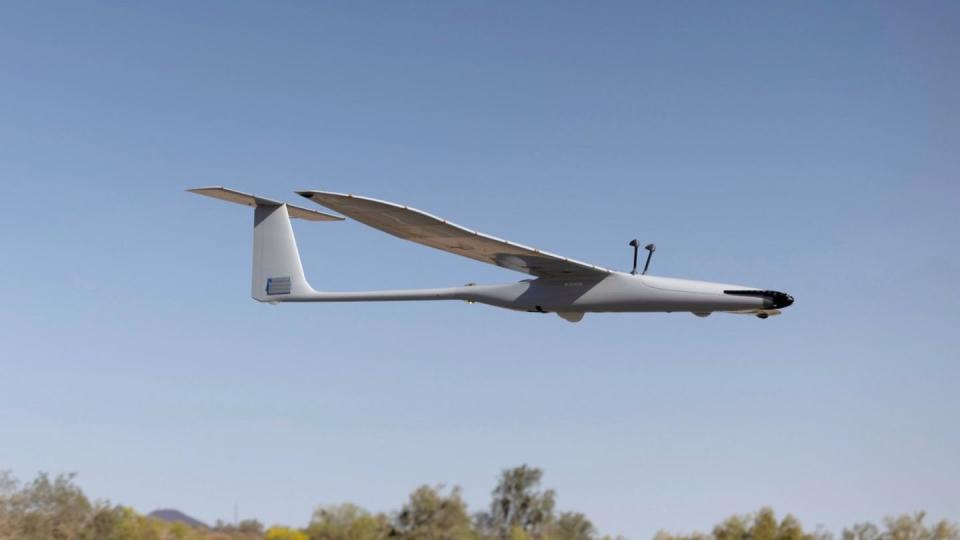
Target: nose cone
[[771, 299], [777, 299]]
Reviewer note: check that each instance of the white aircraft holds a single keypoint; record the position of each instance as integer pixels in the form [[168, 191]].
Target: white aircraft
[[560, 285]]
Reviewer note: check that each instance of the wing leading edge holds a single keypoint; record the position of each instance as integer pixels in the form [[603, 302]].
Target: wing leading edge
[[423, 228]]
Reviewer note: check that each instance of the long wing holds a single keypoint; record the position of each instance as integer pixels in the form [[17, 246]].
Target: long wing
[[423, 228]]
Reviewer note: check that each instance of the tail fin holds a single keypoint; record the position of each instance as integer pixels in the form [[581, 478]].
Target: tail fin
[[277, 271]]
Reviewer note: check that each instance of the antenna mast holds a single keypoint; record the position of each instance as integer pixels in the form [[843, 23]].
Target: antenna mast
[[650, 249]]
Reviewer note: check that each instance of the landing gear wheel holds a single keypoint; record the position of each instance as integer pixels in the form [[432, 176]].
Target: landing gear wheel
[[762, 315]]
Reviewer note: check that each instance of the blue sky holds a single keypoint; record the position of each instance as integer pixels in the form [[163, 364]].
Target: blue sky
[[806, 147]]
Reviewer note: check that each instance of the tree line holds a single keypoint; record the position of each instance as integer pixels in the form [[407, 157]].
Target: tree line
[[520, 509]]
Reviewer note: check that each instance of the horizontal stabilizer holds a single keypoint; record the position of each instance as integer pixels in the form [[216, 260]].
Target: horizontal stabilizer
[[220, 192]]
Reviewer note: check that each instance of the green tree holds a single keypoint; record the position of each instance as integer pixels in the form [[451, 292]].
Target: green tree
[[911, 527], [861, 531], [347, 522], [104, 524], [519, 503], [431, 515], [133, 525], [572, 526], [763, 526], [48, 509], [732, 528], [944, 530], [791, 529]]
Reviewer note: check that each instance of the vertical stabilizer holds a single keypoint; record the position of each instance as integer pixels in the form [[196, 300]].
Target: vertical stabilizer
[[277, 272]]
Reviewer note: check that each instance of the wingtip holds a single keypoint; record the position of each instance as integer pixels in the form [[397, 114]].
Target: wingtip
[[209, 190]]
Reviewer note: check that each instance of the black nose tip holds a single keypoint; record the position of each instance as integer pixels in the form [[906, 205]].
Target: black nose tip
[[771, 299], [779, 299]]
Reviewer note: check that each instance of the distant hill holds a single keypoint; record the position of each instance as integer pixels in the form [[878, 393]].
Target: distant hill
[[170, 515]]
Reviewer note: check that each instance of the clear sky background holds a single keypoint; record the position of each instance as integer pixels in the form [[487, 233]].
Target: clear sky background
[[806, 147]]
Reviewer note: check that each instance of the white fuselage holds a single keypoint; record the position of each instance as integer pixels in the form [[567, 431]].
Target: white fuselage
[[617, 292]]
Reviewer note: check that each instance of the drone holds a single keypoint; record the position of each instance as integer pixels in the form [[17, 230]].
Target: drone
[[560, 285]]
